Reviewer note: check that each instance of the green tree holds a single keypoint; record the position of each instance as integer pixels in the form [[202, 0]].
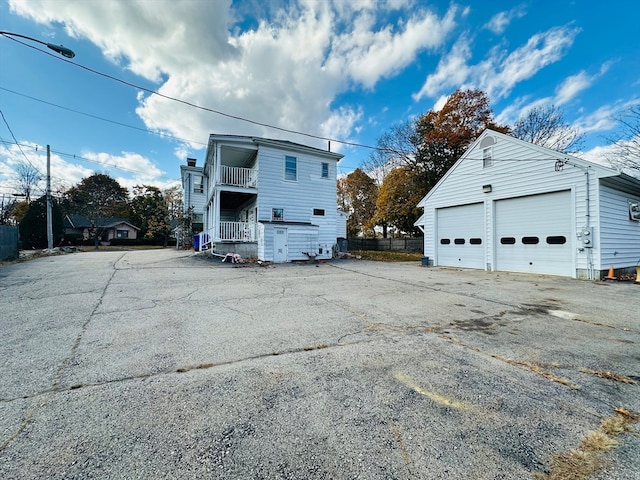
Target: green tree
[[96, 197], [357, 194], [33, 227], [446, 134], [397, 201], [150, 211]]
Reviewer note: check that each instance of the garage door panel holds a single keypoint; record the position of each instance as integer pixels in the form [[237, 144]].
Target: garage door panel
[[460, 241], [533, 234]]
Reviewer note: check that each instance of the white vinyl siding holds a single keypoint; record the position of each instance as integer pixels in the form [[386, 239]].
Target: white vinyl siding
[[619, 236], [302, 197], [521, 169]]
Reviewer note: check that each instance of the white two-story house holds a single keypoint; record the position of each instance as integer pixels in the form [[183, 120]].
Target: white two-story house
[[273, 200], [193, 193]]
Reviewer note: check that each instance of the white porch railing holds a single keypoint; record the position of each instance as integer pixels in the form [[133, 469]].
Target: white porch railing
[[239, 177], [238, 231]]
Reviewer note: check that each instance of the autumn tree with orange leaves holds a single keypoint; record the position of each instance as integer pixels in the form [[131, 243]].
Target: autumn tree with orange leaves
[[447, 133]]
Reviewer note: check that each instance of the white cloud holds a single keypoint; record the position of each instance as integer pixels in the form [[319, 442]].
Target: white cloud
[[572, 86], [452, 71], [287, 70], [140, 168], [600, 155], [575, 84], [500, 71], [64, 174], [501, 21]]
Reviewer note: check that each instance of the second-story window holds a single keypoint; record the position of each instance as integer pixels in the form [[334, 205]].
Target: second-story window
[[290, 168], [198, 185], [325, 170]]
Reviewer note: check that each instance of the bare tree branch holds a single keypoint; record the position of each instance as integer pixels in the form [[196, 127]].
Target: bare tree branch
[[545, 126], [626, 146]]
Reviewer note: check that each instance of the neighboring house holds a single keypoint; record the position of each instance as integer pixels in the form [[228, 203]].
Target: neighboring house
[[108, 228], [509, 205], [193, 193], [272, 200]]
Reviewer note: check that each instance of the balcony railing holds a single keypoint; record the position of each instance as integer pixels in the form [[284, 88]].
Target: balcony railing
[[238, 177], [238, 231]]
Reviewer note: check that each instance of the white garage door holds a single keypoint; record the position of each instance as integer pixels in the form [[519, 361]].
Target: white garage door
[[533, 234], [460, 240]]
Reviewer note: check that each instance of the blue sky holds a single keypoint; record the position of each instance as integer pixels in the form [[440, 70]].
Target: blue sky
[[338, 69]]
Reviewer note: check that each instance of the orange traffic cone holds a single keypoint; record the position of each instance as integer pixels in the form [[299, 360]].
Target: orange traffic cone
[[611, 275]]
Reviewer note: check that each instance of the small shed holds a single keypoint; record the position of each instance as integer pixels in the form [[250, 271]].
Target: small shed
[[509, 205]]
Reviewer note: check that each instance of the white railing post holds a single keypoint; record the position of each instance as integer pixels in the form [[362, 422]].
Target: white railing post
[[238, 231], [236, 176]]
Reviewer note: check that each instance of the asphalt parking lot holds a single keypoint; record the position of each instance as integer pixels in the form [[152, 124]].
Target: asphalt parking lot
[[161, 364]]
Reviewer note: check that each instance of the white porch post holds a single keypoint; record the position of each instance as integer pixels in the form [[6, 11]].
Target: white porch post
[[216, 214]]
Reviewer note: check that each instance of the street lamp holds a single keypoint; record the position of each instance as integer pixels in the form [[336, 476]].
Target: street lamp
[[65, 52]]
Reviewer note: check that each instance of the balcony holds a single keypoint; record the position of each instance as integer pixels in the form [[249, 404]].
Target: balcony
[[238, 231], [238, 177]]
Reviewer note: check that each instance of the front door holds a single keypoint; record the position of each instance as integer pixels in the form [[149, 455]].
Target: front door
[[279, 245]]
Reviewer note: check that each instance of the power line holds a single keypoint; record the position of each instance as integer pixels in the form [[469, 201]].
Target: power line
[[151, 132], [193, 105], [16, 142], [78, 157]]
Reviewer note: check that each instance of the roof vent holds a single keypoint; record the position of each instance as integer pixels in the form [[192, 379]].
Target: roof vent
[[487, 141], [191, 162]]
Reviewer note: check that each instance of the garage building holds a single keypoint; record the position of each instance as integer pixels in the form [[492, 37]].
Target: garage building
[[509, 205]]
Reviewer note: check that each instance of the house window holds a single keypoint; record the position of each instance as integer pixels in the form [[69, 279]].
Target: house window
[[198, 185], [290, 168], [122, 233], [325, 170], [445, 241], [487, 159], [277, 214], [318, 212]]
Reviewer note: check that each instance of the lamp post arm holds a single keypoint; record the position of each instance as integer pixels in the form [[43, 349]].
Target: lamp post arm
[[64, 51]]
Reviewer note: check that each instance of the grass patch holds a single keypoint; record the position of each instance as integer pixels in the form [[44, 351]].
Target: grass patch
[[590, 457], [609, 376], [387, 256], [541, 370]]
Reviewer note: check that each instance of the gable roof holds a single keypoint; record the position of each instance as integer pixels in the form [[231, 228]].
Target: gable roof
[[83, 221], [282, 144], [600, 170]]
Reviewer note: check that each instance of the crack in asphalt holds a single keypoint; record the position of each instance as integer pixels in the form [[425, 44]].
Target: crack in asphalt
[[180, 370], [56, 380]]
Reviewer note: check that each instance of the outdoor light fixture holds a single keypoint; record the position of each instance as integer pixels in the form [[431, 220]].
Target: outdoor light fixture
[[486, 188], [68, 53], [64, 51]]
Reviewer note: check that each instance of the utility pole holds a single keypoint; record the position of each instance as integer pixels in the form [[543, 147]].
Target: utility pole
[[49, 214]]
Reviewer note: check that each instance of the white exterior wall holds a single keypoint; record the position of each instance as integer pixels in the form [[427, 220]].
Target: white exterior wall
[[191, 198], [619, 236], [518, 169], [298, 199]]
